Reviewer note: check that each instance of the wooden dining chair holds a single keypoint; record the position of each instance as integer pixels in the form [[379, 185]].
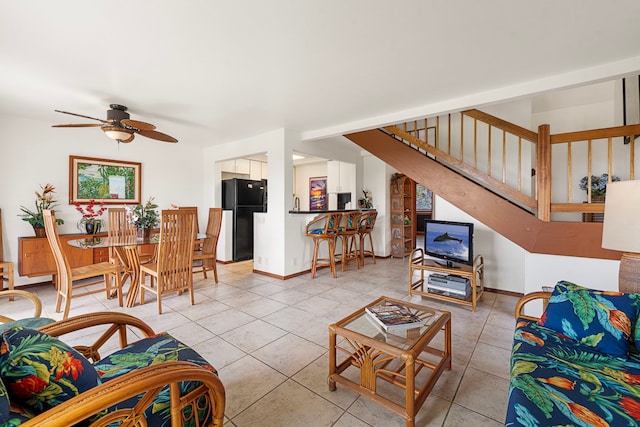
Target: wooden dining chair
[[207, 256], [6, 267], [324, 228], [121, 229], [66, 276], [172, 270], [198, 243]]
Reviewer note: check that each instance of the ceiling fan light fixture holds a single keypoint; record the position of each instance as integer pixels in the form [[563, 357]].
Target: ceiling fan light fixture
[[117, 133]]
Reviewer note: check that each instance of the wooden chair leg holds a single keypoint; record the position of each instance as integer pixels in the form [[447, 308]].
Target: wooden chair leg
[[332, 258], [373, 254], [159, 295], [58, 301], [314, 262], [67, 307], [215, 269]]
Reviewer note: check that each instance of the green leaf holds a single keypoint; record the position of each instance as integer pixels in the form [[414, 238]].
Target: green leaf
[[592, 340], [535, 393], [522, 367], [582, 307]]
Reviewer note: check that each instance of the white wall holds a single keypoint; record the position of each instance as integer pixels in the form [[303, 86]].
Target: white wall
[[33, 154]]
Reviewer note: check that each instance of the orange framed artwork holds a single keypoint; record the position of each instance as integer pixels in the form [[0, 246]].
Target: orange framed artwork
[[318, 193], [104, 180]]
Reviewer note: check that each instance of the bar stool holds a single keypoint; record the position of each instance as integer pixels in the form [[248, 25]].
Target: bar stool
[[348, 233], [324, 228], [367, 221]]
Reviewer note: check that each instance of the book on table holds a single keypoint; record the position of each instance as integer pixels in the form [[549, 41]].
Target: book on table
[[393, 317]]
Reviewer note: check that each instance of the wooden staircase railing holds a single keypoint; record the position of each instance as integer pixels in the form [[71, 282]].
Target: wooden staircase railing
[[520, 164]]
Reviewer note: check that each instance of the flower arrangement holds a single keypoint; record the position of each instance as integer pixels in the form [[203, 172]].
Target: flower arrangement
[[90, 221], [365, 202], [598, 184], [144, 216], [43, 201]]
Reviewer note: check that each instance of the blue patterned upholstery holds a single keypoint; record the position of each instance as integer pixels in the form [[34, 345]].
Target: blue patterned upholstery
[[29, 323], [148, 351], [40, 371], [557, 381]]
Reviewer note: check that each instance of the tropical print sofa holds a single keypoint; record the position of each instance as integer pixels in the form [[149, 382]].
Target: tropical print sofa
[[578, 365], [155, 381]]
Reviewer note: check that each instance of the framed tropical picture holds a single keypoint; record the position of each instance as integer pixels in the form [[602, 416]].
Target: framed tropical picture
[[108, 181], [318, 194]]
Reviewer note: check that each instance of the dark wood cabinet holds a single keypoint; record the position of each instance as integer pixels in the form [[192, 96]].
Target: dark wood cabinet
[[35, 257]]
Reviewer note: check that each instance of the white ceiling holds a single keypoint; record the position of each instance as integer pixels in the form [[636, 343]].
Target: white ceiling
[[211, 72]]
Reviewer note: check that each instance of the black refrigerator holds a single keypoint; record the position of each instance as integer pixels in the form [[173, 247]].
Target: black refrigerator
[[244, 197]]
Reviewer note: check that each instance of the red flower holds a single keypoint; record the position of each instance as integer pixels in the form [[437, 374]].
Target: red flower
[[26, 387], [587, 415], [72, 366], [543, 319], [560, 382], [530, 337], [90, 212], [631, 406], [620, 321]]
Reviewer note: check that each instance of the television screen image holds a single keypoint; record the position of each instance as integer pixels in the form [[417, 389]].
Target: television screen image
[[450, 241]]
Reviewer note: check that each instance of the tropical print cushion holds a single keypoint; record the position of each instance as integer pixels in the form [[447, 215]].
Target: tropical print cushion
[[4, 402], [556, 381], [14, 419], [40, 371], [149, 351], [30, 323], [598, 319]]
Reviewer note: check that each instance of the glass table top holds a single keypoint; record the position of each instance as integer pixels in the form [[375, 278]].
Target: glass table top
[[362, 323], [107, 242]]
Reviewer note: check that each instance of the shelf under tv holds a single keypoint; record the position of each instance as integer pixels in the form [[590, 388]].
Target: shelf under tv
[[418, 264]]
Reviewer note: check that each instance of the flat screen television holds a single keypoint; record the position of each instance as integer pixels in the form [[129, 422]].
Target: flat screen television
[[449, 241]]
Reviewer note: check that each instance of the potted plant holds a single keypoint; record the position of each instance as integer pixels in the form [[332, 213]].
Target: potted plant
[[144, 217], [43, 201], [90, 223], [598, 184]]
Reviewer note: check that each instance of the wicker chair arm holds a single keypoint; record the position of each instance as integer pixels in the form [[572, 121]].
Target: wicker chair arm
[[37, 305], [148, 382], [113, 322], [531, 297]]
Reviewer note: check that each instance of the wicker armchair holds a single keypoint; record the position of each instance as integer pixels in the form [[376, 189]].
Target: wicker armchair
[[177, 390]]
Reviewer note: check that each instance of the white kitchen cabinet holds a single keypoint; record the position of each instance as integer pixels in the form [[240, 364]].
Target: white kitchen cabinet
[[243, 166]]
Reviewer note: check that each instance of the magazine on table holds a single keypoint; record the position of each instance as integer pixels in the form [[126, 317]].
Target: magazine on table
[[393, 317]]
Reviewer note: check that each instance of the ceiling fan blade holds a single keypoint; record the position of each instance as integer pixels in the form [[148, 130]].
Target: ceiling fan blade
[[80, 115], [79, 125], [157, 135], [137, 124]]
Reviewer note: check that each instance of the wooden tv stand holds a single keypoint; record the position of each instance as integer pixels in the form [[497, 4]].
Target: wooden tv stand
[[475, 274]]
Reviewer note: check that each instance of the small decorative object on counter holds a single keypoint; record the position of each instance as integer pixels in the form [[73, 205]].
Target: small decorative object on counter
[[90, 223], [43, 201], [365, 202]]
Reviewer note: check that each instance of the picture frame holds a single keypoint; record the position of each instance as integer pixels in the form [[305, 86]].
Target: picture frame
[[318, 193], [103, 180]]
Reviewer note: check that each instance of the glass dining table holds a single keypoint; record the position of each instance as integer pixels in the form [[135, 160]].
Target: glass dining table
[[126, 249]]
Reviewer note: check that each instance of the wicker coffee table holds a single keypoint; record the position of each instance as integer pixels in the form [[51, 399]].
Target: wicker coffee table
[[396, 357]]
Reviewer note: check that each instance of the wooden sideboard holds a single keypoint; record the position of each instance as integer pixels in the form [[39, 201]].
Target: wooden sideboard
[[35, 257]]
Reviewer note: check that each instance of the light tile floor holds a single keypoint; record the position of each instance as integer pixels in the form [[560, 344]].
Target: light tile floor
[[268, 339]]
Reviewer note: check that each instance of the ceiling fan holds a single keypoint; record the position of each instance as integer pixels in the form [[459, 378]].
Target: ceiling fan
[[119, 126]]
